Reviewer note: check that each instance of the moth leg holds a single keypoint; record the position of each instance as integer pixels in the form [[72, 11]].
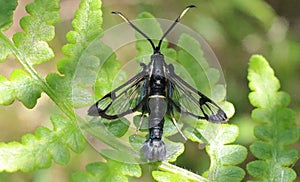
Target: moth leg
[[170, 109], [175, 124], [138, 127], [140, 124]]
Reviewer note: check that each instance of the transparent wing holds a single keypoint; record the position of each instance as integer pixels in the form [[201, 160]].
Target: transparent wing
[[187, 100], [126, 99]]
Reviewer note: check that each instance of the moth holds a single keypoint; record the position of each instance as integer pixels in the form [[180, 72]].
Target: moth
[[157, 91]]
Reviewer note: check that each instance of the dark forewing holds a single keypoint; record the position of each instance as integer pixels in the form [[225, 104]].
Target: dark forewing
[[186, 99], [124, 100]]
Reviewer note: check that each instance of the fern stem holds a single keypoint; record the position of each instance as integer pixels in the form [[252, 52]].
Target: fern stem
[[165, 166], [30, 69]]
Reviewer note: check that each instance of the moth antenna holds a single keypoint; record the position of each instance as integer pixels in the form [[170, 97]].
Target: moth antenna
[[134, 27], [174, 23]]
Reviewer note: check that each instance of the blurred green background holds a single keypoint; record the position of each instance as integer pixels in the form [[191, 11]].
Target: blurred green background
[[235, 29]]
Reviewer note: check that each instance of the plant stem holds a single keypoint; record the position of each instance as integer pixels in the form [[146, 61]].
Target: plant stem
[[165, 166]]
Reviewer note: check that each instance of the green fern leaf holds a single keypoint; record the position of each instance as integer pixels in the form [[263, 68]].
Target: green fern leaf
[[277, 127], [6, 18], [84, 62], [87, 28], [20, 86], [30, 48], [6, 13], [38, 29], [222, 166], [36, 151], [109, 171]]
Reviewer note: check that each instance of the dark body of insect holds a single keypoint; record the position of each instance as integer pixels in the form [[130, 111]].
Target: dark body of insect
[[157, 91]]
